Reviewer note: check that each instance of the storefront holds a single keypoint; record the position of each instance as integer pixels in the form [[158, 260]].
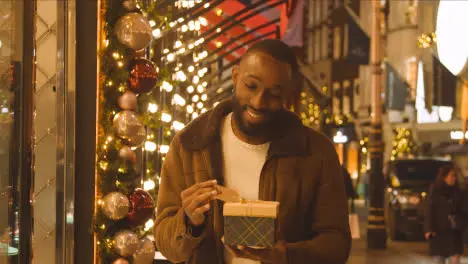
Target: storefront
[[48, 99], [441, 74], [44, 124], [348, 147], [91, 94]]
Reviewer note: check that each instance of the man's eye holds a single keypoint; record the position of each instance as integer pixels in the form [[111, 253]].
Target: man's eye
[[251, 86]]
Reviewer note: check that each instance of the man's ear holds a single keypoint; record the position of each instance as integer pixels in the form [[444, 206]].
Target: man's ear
[[235, 74]]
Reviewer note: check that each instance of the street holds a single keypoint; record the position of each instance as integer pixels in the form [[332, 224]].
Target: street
[[396, 252]]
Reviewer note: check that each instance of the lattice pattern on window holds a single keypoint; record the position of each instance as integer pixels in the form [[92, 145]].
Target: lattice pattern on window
[[44, 196]]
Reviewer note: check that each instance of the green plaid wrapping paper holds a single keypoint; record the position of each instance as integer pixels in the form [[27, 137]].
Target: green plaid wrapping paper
[[249, 231]]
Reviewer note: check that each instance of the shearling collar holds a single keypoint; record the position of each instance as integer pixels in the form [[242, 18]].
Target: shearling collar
[[290, 140]]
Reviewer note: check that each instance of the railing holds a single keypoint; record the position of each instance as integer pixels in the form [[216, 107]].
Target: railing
[[235, 20]]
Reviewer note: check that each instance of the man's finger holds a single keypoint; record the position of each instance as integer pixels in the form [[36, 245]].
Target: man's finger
[[210, 183], [198, 214], [188, 200], [231, 251], [202, 209], [254, 254], [200, 200], [235, 252], [205, 190], [188, 204], [189, 191]]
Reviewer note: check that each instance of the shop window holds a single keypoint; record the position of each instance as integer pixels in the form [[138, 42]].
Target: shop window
[[311, 14], [324, 41], [337, 43], [437, 113], [318, 5], [317, 45], [310, 47], [411, 65]]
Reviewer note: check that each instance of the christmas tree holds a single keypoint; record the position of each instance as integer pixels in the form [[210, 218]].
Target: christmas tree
[[403, 144]]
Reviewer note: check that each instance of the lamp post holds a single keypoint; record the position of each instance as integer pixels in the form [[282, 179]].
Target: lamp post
[[464, 112], [376, 232]]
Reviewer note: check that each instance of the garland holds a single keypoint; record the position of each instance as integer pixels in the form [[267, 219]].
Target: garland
[[141, 107], [118, 175]]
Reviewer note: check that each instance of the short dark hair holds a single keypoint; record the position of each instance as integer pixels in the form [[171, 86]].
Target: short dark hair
[[276, 49]]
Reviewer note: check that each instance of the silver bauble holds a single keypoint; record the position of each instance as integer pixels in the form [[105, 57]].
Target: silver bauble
[[120, 261], [138, 139], [115, 205], [128, 101], [127, 154], [134, 31], [126, 243], [144, 254], [127, 124]]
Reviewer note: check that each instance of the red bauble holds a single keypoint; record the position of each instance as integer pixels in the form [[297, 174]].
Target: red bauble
[[143, 76], [142, 207]]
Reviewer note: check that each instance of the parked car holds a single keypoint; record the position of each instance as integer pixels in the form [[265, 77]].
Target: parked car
[[408, 181]]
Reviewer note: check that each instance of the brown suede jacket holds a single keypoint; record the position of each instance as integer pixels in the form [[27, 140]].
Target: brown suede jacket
[[302, 172]]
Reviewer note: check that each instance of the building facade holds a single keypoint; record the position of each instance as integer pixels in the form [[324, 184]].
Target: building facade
[[421, 94]]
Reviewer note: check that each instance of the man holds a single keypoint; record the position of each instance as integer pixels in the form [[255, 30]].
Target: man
[[350, 192], [252, 144]]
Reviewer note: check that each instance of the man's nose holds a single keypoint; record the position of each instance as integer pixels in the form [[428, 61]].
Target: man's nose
[[259, 100]]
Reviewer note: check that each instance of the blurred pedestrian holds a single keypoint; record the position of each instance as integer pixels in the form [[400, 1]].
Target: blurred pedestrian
[[364, 186], [444, 217], [350, 191]]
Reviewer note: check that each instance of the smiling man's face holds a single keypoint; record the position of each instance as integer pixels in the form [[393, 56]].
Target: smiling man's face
[[261, 88]]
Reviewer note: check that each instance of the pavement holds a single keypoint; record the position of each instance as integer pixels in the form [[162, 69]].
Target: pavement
[[396, 252]]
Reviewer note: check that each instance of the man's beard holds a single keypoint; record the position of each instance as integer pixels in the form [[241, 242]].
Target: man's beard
[[271, 124]]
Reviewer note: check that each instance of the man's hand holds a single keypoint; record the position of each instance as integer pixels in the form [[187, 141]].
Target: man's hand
[[276, 255], [195, 201]]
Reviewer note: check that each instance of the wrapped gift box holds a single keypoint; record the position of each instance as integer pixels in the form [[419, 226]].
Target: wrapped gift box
[[251, 224]]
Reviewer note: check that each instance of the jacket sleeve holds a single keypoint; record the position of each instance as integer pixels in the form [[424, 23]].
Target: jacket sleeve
[[331, 240], [428, 218], [170, 233]]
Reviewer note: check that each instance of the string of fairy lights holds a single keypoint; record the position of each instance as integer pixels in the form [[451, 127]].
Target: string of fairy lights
[[187, 72]]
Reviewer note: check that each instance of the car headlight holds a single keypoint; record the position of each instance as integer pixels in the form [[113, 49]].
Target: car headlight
[[402, 199], [414, 200], [408, 199]]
